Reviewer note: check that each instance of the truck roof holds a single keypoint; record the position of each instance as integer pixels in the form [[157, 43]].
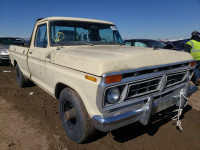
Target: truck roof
[[75, 19]]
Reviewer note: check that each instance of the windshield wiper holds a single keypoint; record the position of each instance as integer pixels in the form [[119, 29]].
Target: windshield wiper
[[72, 43], [118, 43], [88, 44]]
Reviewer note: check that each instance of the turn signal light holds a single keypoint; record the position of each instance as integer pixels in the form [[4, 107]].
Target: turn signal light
[[192, 64], [113, 79], [91, 78]]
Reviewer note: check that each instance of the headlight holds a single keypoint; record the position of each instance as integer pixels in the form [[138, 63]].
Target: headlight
[[113, 95]]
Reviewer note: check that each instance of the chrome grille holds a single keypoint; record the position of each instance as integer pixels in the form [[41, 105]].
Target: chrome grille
[[175, 78], [144, 87], [5, 56]]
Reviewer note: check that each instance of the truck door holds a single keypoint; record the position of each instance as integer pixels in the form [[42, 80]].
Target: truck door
[[38, 53]]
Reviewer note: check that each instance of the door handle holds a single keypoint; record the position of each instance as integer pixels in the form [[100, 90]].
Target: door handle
[[30, 52]]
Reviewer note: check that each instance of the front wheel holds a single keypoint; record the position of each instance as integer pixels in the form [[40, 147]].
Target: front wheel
[[74, 117]]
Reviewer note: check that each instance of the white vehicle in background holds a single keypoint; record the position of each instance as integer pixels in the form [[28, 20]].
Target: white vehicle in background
[[5, 43], [4, 55]]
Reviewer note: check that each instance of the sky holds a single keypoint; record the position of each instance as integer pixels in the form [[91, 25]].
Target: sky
[[152, 19]]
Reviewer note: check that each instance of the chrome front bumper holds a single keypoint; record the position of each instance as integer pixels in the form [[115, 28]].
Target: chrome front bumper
[[154, 104]]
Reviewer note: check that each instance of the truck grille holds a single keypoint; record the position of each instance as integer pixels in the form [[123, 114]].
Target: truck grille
[[175, 78], [152, 85], [144, 87]]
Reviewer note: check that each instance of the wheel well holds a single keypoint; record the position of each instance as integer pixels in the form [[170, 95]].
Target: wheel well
[[59, 88]]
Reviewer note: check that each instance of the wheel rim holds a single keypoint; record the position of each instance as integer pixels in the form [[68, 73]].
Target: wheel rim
[[71, 123]]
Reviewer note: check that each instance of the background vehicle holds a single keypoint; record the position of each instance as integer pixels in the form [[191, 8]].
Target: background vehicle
[[4, 55], [144, 43], [100, 83], [5, 42], [178, 45]]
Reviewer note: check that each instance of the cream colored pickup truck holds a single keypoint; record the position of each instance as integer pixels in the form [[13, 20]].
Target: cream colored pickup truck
[[100, 83]]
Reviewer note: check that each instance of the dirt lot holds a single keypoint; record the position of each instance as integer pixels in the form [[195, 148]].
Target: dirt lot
[[31, 121]]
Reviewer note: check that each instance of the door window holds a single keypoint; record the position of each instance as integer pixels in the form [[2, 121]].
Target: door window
[[41, 36]]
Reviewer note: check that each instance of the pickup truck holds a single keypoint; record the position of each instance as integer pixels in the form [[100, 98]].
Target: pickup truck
[[101, 84]]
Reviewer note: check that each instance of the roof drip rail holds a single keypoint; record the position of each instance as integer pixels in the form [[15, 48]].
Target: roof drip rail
[[38, 19]]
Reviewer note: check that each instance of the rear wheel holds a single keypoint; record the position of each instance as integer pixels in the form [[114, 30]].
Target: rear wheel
[[22, 81], [75, 119]]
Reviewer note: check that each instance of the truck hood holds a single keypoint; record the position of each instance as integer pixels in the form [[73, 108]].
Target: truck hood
[[98, 60]]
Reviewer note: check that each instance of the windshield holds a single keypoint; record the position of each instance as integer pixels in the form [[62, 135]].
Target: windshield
[[84, 33]]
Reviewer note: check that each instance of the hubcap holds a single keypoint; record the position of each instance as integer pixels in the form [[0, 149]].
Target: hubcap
[[69, 115]]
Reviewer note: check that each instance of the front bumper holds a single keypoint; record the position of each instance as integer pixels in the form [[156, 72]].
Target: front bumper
[[154, 104]]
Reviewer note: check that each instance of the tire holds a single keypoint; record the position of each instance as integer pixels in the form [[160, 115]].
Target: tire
[[22, 81], [80, 128]]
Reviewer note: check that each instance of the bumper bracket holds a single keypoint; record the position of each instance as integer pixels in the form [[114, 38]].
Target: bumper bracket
[[147, 111]]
